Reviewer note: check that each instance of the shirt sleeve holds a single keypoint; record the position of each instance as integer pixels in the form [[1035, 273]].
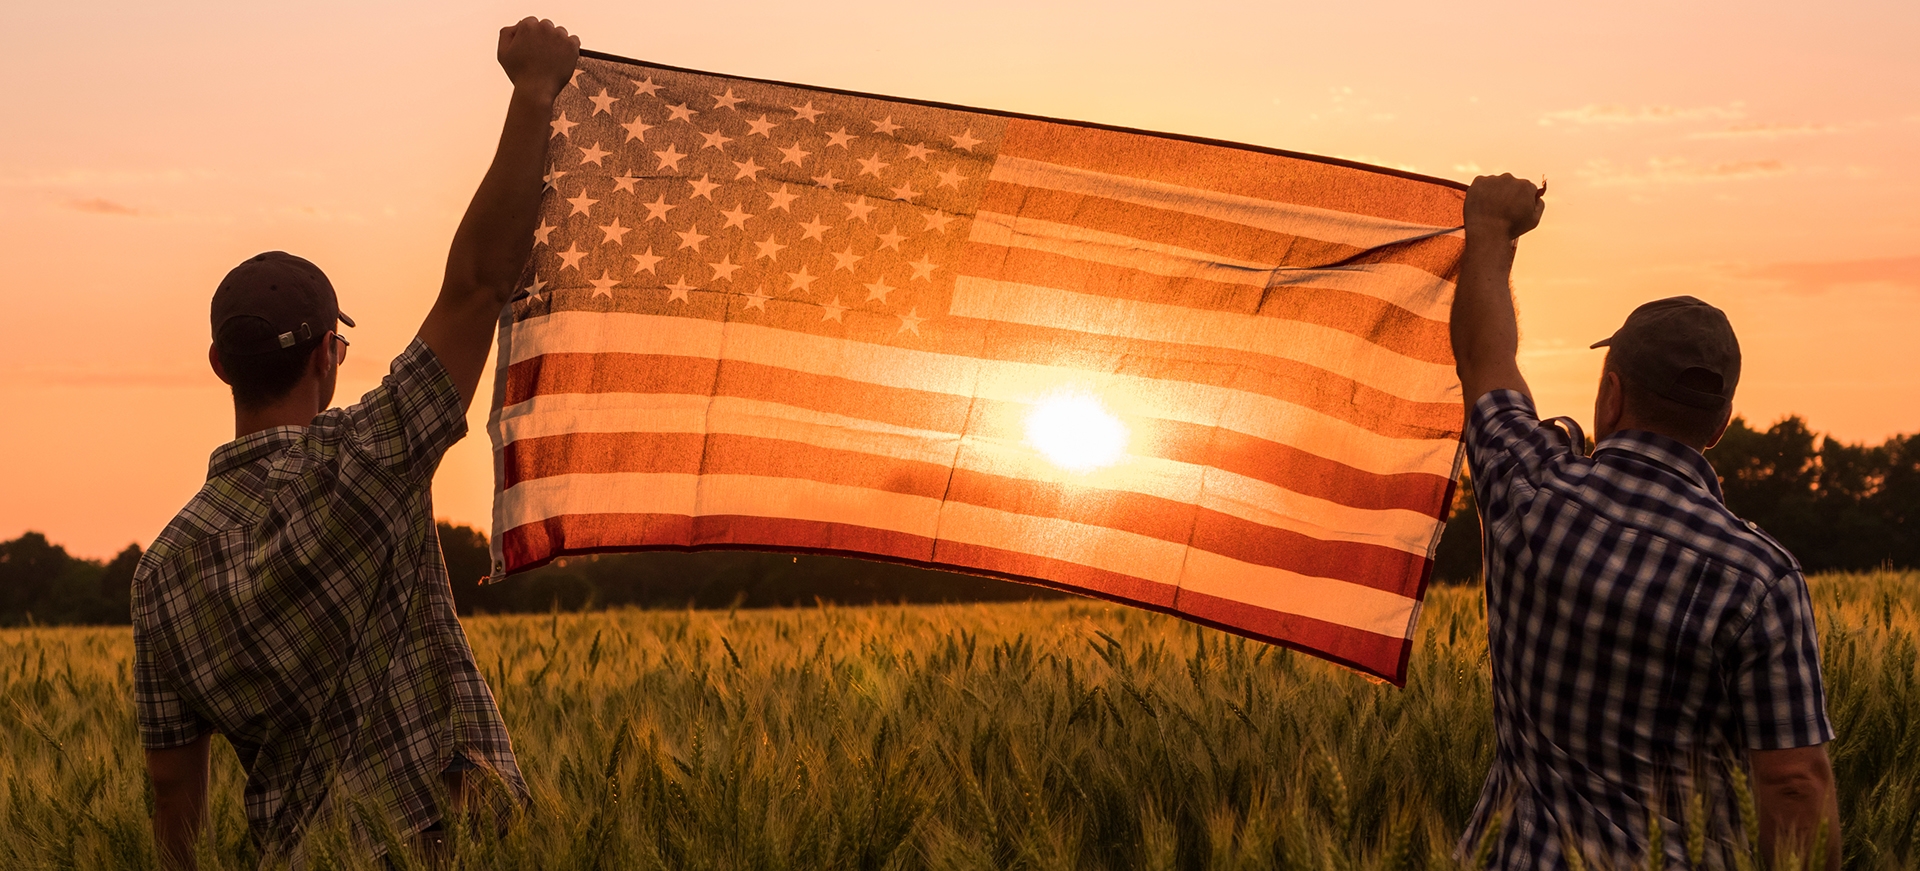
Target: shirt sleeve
[[166, 720], [1777, 688], [1507, 444], [407, 423]]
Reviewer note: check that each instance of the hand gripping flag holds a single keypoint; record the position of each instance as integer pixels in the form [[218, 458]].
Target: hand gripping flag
[[1202, 378]]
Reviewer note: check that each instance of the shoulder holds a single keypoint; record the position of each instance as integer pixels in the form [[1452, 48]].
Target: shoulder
[[1756, 565], [1764, 553], [168, 559], [416, 401], [1506, 439]]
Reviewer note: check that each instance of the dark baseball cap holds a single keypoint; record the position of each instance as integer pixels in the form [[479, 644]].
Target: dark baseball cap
[[273, 301], [1679, 348]]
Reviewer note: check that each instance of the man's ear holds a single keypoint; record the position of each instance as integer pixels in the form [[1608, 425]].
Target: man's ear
[[1610, 405], [213, 359], [320, 360]]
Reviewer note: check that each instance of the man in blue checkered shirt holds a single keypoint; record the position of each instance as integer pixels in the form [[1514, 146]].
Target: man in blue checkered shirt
[[1646, 644]]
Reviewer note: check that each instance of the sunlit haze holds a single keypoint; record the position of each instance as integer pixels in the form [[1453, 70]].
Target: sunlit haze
[[1760, 156], [1076, 432]]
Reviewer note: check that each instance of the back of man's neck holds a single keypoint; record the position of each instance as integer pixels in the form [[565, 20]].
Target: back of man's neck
[[293, 410]]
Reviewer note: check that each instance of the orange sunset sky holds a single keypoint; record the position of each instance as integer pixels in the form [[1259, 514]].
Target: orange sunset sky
[[1759, 155]]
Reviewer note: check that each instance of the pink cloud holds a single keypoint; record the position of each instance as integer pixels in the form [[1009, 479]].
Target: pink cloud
[[1820, 277], [102, 206]]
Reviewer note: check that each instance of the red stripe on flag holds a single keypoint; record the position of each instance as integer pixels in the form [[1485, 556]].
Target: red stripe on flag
[[610, 372], [534, 544], [1436, 255], [1371, 652], [1378, 321], [1233, 171]]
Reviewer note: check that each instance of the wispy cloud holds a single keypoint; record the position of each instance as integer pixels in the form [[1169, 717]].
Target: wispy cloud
[[1767, 130], [95, 178], [103, 206], [1660, 171], [1824, 276], [113, 379], [1596, 114]]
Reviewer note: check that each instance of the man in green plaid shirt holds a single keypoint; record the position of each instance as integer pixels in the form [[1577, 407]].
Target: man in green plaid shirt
[[299, 605]]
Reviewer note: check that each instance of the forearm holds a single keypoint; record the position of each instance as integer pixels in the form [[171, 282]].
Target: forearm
[[1790, 815], [179, 777], [1483, 325], [176, 826], [491, 247]]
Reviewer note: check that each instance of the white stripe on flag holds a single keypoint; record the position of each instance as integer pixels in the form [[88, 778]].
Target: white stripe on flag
[[1327, 225], [1302, 342], [1416, 290]]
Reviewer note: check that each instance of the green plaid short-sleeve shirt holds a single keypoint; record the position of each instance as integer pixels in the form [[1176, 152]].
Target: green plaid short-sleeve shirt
[[299, 606]]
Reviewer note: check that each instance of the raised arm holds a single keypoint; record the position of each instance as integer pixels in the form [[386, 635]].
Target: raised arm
[[491, 247], [1486, 334]]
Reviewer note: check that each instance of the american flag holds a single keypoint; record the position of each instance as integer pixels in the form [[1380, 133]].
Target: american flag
[[1203, 378]]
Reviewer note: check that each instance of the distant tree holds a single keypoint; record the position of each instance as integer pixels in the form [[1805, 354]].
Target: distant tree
[[1457, 559], [29, 566], [40, 581], [1898, 501], [1771, 477], [116, 586]]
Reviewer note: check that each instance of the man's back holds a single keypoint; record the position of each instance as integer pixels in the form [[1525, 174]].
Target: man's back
[[1641, 637], [299, 606]]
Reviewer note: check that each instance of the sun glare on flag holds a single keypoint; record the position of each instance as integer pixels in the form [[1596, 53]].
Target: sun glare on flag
[[1076, 432]]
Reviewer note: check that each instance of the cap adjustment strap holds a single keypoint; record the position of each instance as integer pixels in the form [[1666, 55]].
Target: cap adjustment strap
[[287, 339]]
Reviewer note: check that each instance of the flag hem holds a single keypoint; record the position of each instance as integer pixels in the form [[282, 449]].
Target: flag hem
[[1092, 125]]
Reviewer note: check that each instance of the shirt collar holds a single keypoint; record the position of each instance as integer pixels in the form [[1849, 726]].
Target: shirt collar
[[1668, 454], [249, 448]]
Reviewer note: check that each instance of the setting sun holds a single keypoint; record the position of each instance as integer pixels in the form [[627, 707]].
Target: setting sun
[[1076, 432]]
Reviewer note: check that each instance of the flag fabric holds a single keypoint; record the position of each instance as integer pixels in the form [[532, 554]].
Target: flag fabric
[[1203, 378]]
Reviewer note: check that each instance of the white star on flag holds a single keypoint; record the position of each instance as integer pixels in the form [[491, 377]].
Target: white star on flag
[[611, 233]]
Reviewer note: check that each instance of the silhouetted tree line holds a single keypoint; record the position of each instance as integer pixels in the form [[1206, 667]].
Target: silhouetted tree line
[[1834, 505], [41, 583]]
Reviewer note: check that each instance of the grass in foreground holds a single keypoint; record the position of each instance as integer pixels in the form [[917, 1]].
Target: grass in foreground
[[1064, 735]]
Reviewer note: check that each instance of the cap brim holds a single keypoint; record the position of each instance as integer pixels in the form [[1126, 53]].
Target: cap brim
[[344, 319], [1603, 343]]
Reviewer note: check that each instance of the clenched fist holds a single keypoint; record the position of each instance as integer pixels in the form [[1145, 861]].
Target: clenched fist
[[538, 56], [1502, 206]]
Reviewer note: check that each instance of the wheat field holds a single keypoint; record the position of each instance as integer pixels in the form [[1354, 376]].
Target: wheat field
[[1047, 735]]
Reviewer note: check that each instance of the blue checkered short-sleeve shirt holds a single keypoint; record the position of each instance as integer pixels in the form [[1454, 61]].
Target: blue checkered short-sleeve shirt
[[1640, 635]]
